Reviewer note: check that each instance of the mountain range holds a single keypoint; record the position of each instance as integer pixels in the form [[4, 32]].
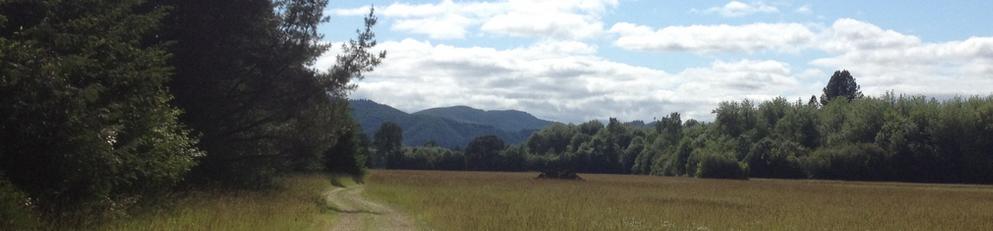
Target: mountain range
[[451, 127]]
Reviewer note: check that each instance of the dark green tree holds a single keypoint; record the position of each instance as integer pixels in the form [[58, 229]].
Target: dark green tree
[[349, 153], [245, 80], [388, 140], [842, 84], [87, 127], [483, 153], [553, 139], [631, 153]]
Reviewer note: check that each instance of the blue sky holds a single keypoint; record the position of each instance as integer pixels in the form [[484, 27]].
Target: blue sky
[[575, 60]]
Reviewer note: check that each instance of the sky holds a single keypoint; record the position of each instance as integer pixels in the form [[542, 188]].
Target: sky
[[577, 60]]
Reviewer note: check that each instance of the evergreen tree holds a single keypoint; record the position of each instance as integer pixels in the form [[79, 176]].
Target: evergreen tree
[[87, 127], [349, 153], [245, 81], [841, 84]]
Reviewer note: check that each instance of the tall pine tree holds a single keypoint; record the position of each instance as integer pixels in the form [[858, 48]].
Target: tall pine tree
[[842, 84], [244, 79]]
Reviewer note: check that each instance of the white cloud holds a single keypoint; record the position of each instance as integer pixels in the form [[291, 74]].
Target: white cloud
[[358, 11], [560, 19], [554, 19], [853, 35], [884, 60], [563, 81], [713, 38], [561, 77], [738, 9]]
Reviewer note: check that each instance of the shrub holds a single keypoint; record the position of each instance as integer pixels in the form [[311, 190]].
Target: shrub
[[775, 159], [720, 166], [863, 161]]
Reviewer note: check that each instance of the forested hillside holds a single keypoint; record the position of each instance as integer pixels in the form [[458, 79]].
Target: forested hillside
[[507, 120], [450, 127]]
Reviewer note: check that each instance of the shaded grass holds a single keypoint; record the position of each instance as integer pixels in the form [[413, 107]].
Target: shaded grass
[[296, 204], [517, 201]]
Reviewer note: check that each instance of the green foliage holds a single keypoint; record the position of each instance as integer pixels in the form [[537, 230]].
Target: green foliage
[[87, 126], [841, 84], [867, 138], [514, 158], [734, 118], [798, 125], [631, 153], [590, 127], [561, 166], [552, 139], [775, 159], [388, 140], [109, 104], [349, 153], [863, 161], [431, 157], [719, 166], [483, 153], [249, 88], [708, 148]]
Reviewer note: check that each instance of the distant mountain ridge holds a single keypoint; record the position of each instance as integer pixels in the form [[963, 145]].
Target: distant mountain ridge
[[451, 127], [507, 120]]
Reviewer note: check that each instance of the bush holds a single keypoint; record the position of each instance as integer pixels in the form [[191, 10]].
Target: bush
[[775, 159], [863, 161], [720, 166], [87, 128]]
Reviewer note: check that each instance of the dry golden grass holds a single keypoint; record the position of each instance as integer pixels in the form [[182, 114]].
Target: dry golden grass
[[298, 204], [516, 201]]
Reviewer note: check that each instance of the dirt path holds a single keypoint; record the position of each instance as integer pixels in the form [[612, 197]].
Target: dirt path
[[357, 213]]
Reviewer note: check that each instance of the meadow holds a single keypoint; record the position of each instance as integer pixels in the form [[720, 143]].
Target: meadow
[[450, 200], [298, 203]]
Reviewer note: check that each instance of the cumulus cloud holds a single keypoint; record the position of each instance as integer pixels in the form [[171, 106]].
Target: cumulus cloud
[[713, 38], [561, 19], [881, 59], [885, 60], [738, 9], [563, 81], [561, 76]]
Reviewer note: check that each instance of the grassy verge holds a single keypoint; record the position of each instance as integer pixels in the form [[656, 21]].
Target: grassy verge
[[297, 204], [517, 201]]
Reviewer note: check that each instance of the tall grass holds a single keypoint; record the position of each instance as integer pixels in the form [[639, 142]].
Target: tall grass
[[297, 204], [517, 201]]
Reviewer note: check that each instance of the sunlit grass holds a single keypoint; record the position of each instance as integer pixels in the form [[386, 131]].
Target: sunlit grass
[[517, 201], [297, 204]]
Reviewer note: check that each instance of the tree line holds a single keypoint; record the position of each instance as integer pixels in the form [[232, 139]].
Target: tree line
[[107, 104], [842, 135]]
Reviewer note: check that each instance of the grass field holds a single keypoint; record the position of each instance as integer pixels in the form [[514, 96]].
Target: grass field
[[516, 201], [298, 204]]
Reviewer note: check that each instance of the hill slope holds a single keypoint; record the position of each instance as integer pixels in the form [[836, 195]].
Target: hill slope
[[507, 120], [420, 128]]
